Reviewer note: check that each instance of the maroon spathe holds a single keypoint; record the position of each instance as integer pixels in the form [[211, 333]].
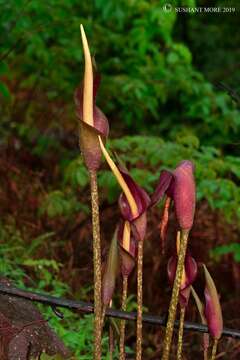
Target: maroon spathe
[[179, 185], [139, 194]]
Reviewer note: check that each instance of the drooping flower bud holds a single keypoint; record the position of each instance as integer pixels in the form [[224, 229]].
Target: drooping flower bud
[[92, 121], [213, 311], [110, 271], [184, 194], [179, 185]]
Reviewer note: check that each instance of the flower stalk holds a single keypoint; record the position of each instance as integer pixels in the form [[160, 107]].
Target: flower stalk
[[96, 267], [188, 277], [180, 333], [123, 322], [175, 294], [92, 123], [126, 243], [139, 300], [133, 203]]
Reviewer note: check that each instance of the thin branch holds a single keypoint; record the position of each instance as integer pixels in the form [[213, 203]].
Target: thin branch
[[88, 309]]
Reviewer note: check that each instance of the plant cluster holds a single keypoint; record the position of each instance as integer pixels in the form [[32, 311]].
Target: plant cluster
[[178, 188], [164, 63]]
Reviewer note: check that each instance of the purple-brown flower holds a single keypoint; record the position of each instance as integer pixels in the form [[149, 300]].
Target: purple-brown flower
[[179, 185], [213, 312], [142, 200], [92, 120], [139, 194]]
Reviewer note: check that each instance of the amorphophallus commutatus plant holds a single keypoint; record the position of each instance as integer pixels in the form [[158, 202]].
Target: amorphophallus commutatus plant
[[134, 201], [92, 124], [92, 120], [179, 186], [133, 205]]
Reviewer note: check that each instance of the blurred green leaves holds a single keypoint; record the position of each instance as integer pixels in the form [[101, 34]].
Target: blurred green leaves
[[149, 81], [232, 248], [217, 176], [58, 203]]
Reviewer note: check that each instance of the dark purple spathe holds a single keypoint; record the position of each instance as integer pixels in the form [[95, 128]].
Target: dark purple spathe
[[139, 194]]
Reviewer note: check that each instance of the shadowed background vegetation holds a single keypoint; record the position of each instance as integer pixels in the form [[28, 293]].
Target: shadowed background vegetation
[[170, 85]]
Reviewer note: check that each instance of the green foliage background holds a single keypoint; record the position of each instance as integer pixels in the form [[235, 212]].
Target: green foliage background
[[160, 75]]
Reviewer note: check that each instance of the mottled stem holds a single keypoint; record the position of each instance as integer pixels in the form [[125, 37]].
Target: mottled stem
[[139, 300], [96, 266], [123, 322], [175, 292], [180, 334], [111, 342], [214, 349]]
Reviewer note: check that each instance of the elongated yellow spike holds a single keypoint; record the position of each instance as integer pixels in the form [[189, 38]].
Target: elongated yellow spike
[[178, 248], [126, 236], [88, 82], [120, 179]]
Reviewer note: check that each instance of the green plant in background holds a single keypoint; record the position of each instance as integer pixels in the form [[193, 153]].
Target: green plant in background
[[149, 71], [217, 175], [232, 248]]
